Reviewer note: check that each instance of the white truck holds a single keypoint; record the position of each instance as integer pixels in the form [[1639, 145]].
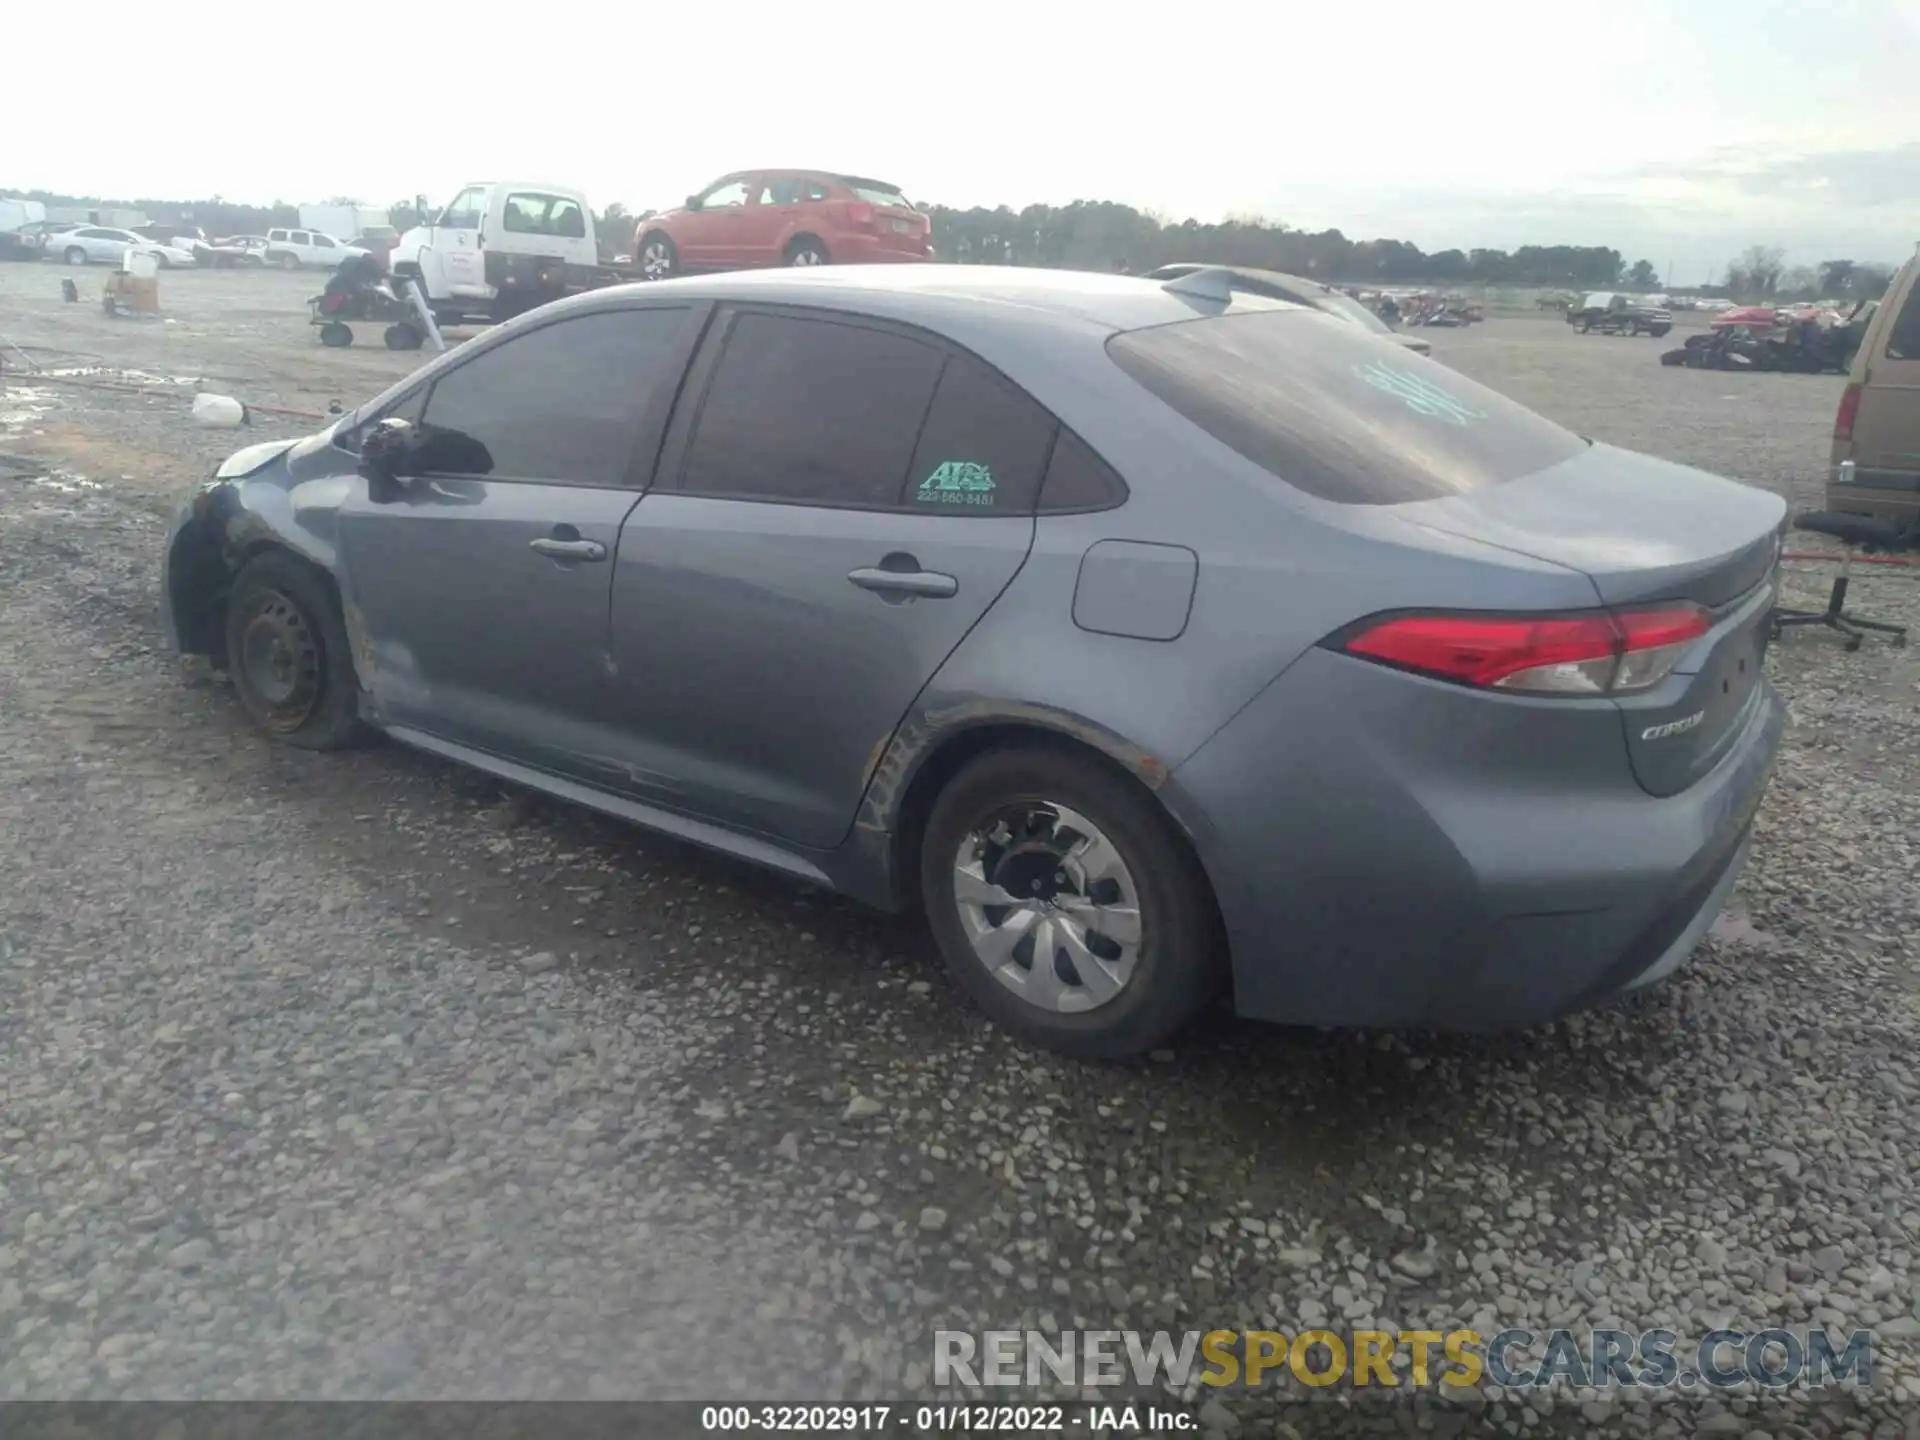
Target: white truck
[[502, 247]]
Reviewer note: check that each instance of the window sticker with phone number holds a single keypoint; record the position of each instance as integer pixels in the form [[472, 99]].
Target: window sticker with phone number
[[957, 482]]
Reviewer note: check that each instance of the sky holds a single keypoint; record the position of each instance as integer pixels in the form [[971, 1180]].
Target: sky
[[1679, 132]]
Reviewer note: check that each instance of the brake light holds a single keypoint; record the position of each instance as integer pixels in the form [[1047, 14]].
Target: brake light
[[1594, 654], [1849, 409], [860, 215]]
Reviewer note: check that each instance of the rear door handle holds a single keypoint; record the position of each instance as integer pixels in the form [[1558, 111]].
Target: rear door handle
[[929, 584], [569, 549]]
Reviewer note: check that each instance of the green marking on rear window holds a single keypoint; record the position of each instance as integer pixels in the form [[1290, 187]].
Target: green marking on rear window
[[957, 482], [1417, 392]]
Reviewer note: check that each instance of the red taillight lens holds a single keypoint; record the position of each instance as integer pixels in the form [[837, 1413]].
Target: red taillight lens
[[860, 215], [1849, 408], [1599, 654]]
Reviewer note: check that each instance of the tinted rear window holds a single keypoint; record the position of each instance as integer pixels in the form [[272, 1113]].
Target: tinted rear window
[[1337, 413]]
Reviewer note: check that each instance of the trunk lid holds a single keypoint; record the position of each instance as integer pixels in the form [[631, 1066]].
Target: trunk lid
[[1648, 532]]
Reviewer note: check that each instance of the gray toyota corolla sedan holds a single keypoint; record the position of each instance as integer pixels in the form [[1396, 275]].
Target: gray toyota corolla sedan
[[1149, 636]]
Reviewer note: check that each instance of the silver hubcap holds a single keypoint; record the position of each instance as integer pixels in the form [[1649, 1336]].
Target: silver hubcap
[[806, 257], [654, 261], [1049, 907]]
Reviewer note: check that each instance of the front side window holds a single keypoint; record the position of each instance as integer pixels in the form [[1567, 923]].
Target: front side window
[[322, 242], [1337, 413], [563, 403], [465, 211], [725, 196], [813, 412]]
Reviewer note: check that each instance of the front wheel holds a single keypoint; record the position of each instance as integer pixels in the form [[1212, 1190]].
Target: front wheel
[[1066, 905], [288, 656]]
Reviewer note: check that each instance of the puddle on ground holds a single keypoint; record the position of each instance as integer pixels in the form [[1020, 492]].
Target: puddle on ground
[[30, 490]]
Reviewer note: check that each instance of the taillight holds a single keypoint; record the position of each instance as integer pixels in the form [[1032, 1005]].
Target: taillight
[[860, 215], [1593, 654], [1849, 409]]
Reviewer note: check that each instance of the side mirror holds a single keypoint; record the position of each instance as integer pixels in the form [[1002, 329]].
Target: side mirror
[[693, 202], [385, 456]]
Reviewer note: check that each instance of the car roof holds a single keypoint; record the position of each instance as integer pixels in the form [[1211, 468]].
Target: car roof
[[943, 297]]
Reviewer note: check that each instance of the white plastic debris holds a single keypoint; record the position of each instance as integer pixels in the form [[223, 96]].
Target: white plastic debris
[[218, 412]]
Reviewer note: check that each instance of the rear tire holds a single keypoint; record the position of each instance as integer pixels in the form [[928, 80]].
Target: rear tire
[[336, 336], [806, 250], [289, 261], [657, 257], [1134, 942], [76, 256], [288, 655]]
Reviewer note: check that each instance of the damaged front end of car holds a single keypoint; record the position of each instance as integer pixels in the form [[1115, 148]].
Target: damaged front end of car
[[247, 503]]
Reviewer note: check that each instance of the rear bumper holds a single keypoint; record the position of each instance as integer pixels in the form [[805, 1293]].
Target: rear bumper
[[1377, 865]]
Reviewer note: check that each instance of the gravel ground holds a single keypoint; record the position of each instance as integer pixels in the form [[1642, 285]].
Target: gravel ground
[[361, 1076]]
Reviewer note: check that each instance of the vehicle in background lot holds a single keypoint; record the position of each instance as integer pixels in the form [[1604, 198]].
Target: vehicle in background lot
[[1299, 291], [1878, 424], [377, 238], [250, 249], [756, 218], [291, 249], [22, 230], [1611, 313], [1435, 713], [190, 238], [501, 248], [344, 219], [103, 245]]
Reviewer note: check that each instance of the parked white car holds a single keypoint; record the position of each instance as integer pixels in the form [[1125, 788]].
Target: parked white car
[[104, 245], [291, 249]]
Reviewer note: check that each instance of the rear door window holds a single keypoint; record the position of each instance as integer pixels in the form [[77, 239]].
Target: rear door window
[[1337, 413], [811, 412], [983, 449]]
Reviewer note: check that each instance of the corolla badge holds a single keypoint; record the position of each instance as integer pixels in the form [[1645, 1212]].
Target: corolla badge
[[1673, 727], [1417, 393]]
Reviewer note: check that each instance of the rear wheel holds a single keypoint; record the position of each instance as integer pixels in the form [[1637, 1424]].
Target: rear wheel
[[288, 656], [76, 256], [807, 251], [1065, 903], [335, 336], [657, 258], [403, 337], [289, 261]]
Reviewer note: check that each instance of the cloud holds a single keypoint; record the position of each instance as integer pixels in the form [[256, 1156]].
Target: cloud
[[1867, 179]]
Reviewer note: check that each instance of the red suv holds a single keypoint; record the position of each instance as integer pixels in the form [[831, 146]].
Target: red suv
[[755, 218]]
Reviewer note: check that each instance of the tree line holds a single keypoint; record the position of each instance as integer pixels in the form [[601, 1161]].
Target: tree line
[[1106, 235]]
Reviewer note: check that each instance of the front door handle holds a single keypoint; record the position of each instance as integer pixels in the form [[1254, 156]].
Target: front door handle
[[929, 584], [569, 549]]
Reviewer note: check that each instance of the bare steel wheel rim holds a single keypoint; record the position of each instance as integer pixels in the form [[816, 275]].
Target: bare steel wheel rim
[[656, 261], [280, 659], [807, 255], [1049, 906]]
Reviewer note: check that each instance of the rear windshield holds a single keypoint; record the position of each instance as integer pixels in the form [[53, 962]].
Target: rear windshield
[[1336, 412], [877, 192]]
